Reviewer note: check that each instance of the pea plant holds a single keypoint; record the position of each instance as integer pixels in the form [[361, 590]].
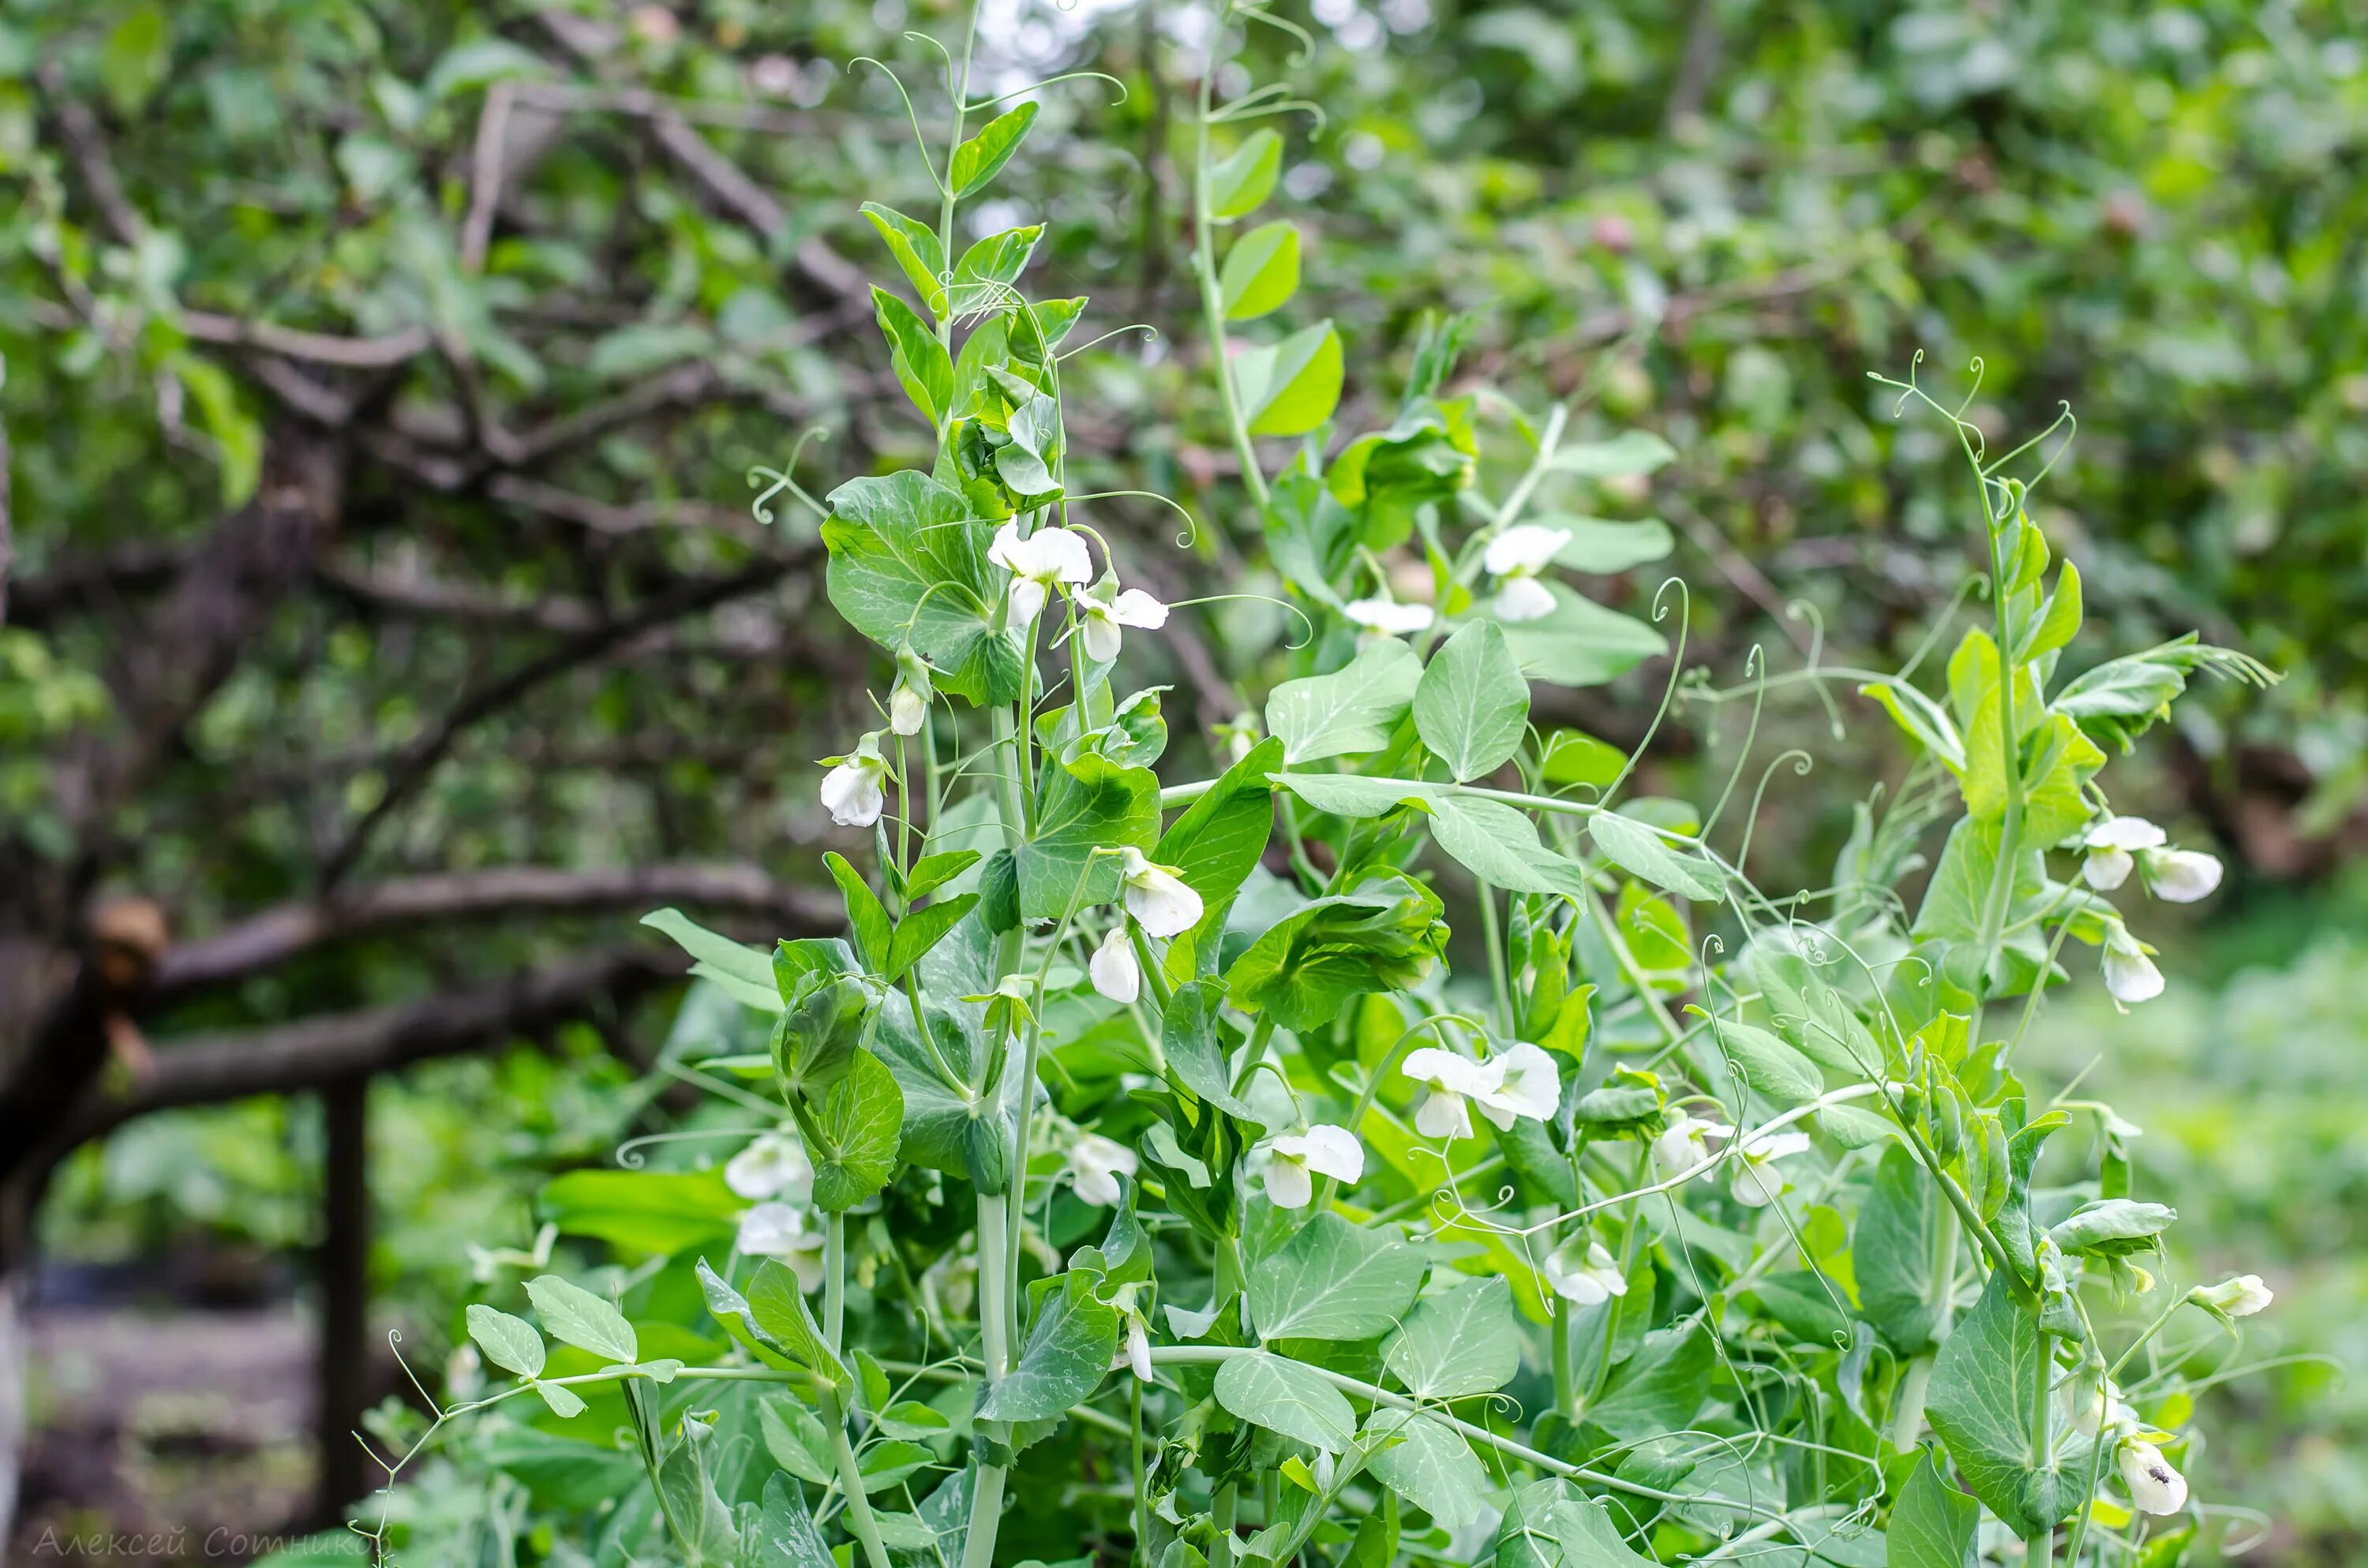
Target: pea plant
[[1398, 1140]]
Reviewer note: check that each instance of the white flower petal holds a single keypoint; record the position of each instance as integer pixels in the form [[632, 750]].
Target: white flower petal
[[772, 1164], [2154, 1485], [770, 1230], [1288, 1185], [1138, 1349], [1113, 969], [1525, 546], [1443, 1114], [1531, 1086], [1524, 598], [1134, 607], [1443, 1068], [852, 792], [2106, 869], [1162, 901], [2124, 833], [1334, 1151], [1388, 617], [2182, 876], [1100, 637], [1095, 1163], [1027, 600], [2129, 974], [906, 709]]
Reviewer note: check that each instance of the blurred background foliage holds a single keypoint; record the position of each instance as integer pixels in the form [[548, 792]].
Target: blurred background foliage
[[509, 298]]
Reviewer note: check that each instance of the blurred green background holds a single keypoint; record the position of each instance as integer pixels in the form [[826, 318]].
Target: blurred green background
[[381, 377]]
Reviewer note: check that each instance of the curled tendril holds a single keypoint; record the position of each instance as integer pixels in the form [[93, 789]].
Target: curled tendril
[[1801, 762], [920, 139], [1150, 334], [1050, 82], [1677, 667], [1308, 625], [1305, 54], [1185, 541], [783, 480], [629, 1154]]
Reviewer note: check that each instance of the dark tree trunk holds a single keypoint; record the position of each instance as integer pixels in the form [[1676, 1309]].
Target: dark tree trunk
[[345, 1297]]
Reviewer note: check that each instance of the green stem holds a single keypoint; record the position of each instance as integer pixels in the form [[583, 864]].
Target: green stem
[[850, 1478], [1500, 985], [1205, 265], [1566, 1393]]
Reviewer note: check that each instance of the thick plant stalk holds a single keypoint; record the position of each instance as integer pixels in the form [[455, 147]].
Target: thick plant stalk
[[834, 1407]]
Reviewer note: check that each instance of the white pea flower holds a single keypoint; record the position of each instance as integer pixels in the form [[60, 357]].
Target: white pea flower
[[2112, 845], [1531, 1086], [1680, 1146], [2181, 876], [1049, 558], [1112, 968], [780, 1231], [1515, 558], [908, 700], [854, 791], [2238, 1297], [1096, 1163], [1323, 1150], [1450, 1079], [1757, 1181], [1162, 901], [773, 1165], [1585, 1276], [2154, 1485], [1101, 618], [2095, 1407], [1135, 1352], [1388, 617], [2130, 975]]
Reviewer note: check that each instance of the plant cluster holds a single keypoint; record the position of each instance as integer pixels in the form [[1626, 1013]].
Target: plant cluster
[[1139, 1177]]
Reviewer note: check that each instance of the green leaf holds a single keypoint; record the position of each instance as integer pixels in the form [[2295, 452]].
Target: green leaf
[[890, 1463], [1285, 1396], [924, 929], [1196, 1058], [1244, 177], [1581, 643], [480, 62], [1352, 709], [1428, 1463], [134, 59], [922, 365], [1767, 1063], [574, 1315], [866, 916], [1384, 935], [1458, 1343], [565, 1403], [916, 249], [1933, 1524], [2112, 1228], [851, 1133], [1982, 1401], [1261, 272], [645, 346], [1094, 805], [931, 872], [743, 969], [1216, 842], [778, 1325], [977, 160], [984, 279], [796, 1440], [1643, 854], [701, 1522], [1356, 795], [2060, 622], [1290, 388], [1334, 1280], [1629, 453], [1500, 844], [907, 561], [782, 1534], [1603, 545], [510, 1343], [1659, 1387], [1069, 1350], [1891, 1249], [945, 1120], [1925, 721], [1472, 706], [648, 1211]]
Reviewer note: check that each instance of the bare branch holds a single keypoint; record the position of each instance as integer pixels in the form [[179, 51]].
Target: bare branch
[[412, 770], [429, 597], [486, 175], [321, 349], [601, 516], [209, 1069], [264, 941]]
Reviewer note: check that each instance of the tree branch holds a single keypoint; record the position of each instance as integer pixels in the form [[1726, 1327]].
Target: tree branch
[[412, 770], [264, 941], [209, 1068]]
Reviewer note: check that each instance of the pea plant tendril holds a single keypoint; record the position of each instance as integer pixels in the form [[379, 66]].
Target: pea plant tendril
[[1138, 1180]]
